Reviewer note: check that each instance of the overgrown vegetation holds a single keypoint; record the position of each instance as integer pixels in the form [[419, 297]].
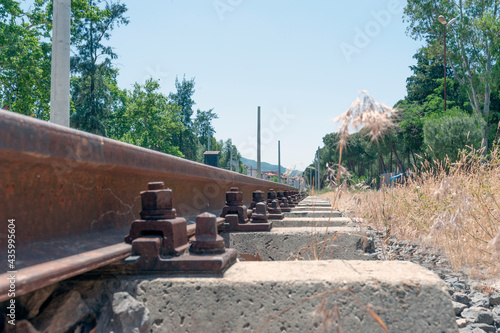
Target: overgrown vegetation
[[425, 127], [141, 116], [449, 156], [452, 205]]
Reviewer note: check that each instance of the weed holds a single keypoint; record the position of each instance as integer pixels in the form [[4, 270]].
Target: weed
[[452, 206]]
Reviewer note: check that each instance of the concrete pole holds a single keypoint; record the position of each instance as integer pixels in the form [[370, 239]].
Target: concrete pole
[[231, 158], [279, 163], [316, 172], [317, 169], [445, 68], [59, 83], [258, 143]]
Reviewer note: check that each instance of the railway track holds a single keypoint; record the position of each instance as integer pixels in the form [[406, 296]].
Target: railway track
[[121, 219], [72, 197]]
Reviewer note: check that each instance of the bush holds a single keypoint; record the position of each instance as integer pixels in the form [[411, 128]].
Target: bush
[[448, 134]]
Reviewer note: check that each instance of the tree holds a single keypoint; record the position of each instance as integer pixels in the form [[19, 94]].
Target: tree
[[230, 157], [472, 45], [203, 125], [184, 99], [148, 120], [25, 59], [425, 73], [186, 140], [424, 98], [93, 74], [448, 134]]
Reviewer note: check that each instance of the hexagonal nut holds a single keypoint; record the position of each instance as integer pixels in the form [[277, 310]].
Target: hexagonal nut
[[157, 199], [271, 195], [258, 196], [234, 197]]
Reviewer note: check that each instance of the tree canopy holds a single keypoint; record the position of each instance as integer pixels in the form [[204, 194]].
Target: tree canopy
[[142, 116]]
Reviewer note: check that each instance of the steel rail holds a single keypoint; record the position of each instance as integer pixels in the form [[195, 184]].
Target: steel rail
[[70, 192], [39, 276]]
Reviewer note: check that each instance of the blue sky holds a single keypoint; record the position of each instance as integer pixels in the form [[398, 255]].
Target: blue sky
[[303, 62]]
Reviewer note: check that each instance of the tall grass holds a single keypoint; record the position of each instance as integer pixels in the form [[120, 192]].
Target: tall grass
[[453, 206], [365, 113]]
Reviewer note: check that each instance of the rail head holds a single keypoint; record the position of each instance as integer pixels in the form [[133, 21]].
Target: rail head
[[69, 191]]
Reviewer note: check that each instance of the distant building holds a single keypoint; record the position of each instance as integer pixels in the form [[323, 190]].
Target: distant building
[[252, 172], [268, 175]]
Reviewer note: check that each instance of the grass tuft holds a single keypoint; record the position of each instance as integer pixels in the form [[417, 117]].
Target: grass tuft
[[451, 206]]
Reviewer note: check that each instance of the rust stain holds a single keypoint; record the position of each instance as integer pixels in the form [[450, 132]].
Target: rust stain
[[102, 185], [9, 189]]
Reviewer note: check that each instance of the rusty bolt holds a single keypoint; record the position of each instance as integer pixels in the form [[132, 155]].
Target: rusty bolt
[[206, 239], [157, 202], [274, 205], [234, 197], [271, 195], [258, 196], [260, 213]]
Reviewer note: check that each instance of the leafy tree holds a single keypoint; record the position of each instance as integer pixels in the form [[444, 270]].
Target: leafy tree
[[229, 151], [203, 125], [148, 120], [25, 59], [425, 90], [94, 77], [186, 140], [425, 73], [446, 135], [184, 99], [472, 45]]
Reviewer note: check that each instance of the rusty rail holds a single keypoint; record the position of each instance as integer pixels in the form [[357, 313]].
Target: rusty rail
[[38, 276], [41, 275], [73, 193]]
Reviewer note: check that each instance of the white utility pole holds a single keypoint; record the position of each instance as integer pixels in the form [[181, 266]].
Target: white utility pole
[[279, 163], [59, 82], [317, 170], [258, 144]]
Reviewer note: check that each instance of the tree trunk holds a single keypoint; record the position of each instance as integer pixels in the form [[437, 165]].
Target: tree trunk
[[381, 163], [400, 165], [414, 159], [381, 169], [390, 162], [487, 98]]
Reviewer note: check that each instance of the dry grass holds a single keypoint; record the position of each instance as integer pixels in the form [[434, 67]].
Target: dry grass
[[453, 206], [364, 113], [367, 113]]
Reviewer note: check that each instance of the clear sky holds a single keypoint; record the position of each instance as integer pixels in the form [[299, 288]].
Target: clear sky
[[303, 62]]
